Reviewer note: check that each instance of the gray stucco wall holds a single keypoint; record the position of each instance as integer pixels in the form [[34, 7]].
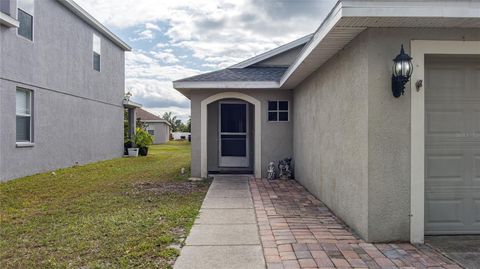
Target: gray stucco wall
[[352, 137], [331, 134], [78, 113], [389, 131], [282, 59], [276, 136], [161, 132]]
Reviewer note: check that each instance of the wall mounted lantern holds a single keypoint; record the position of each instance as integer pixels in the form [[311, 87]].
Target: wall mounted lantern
[[402, 70]]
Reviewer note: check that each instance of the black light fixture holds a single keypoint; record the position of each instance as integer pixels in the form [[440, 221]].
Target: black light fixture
[[402, 70]]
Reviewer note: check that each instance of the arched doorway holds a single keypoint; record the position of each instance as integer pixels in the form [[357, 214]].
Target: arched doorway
[[257, 127]]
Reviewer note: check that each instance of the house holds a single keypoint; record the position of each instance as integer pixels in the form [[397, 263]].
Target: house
[[61, 87], [155, 126], [391, 168]]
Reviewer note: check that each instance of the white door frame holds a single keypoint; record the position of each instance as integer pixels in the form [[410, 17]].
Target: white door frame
[[231, 161], [204, 123], [419, 48]]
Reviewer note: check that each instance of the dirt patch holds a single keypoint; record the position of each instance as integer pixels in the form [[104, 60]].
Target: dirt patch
[[183, 187]]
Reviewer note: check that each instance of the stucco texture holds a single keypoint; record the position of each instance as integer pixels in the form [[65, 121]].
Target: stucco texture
[[77, 111], [352, 137], [161, 131], [331, 134], [276, 136]]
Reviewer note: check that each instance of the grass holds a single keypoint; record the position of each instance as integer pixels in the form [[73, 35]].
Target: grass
[[120, 213]]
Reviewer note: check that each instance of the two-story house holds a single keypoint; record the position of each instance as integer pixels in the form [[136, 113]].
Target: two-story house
[[62, 77]]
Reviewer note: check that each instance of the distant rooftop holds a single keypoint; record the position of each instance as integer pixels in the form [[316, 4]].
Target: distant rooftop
[[145, 115]]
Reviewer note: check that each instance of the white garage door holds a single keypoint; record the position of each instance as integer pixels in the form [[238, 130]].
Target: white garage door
[[452, 145]]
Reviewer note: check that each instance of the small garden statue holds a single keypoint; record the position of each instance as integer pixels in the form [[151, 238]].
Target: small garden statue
[[285, 168], [271, 173]]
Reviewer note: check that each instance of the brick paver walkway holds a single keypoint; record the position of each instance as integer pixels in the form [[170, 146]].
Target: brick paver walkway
[[299, 231]]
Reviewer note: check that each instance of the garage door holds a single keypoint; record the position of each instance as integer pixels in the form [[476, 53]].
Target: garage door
[[452, 145]]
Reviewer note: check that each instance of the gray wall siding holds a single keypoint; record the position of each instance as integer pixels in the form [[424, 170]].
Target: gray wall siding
[[352, 137], [161, 132], [78, 114], [330, 134], [284, 59], [276, 136], [389, 131]]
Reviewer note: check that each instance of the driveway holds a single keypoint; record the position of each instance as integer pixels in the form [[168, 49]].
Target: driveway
[[241, 218], [465, 249]]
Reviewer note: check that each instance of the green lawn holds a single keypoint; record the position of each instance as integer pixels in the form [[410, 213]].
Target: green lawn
[[120, 213]]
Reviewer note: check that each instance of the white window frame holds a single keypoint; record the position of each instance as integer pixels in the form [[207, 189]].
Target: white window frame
[[33, 23], [99, 52], [278, 111], [30, 101]]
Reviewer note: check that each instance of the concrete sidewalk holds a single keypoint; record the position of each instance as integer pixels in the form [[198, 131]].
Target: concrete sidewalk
[[225, 235]]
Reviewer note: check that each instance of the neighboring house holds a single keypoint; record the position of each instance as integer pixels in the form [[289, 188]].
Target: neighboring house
[[391, 168], [61, 87], [181, 135], [156, 126]]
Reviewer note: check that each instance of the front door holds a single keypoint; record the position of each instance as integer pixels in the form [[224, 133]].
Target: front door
[[233, 134], [452, 145]]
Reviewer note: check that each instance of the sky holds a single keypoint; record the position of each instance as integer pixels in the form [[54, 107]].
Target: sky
[[174, 39]]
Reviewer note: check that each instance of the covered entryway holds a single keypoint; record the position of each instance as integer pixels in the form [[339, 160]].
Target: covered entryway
[[452, 144], [230, 134]]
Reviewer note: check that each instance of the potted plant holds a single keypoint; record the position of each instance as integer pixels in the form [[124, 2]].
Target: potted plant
[[130, 149], [142, 140]]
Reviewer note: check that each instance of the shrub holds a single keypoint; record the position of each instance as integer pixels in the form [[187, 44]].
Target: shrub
[[142, 138]]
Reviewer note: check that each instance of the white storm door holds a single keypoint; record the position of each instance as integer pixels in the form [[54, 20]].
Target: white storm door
[[233, 134]]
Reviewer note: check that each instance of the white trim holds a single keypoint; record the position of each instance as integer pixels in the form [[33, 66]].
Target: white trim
[[230, 161], [89, 19], [8, 20], [225, 84], [258, 129], [156, 121], [24, 144], [333, 17], [273, 52], [131, 104], [419, 48]]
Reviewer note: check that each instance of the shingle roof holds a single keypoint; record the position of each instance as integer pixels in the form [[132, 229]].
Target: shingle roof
[[241, 74], [145, 115]]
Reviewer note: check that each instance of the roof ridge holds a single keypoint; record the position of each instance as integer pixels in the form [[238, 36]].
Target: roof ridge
[[273, 52]]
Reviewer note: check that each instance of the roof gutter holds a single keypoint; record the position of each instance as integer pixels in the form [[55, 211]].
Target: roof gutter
[[85, 16]]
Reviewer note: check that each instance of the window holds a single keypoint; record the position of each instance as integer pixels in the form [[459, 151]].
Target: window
[[97, 48], [151, 132], [5, 6], [277, 110], [24, 115], [25, 18]]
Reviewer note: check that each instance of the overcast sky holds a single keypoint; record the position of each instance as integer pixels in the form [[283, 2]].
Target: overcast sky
[[173, 39]]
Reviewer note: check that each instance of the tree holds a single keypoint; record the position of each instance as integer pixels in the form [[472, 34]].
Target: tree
[[177, 124], [168, 116], [189, 125]]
